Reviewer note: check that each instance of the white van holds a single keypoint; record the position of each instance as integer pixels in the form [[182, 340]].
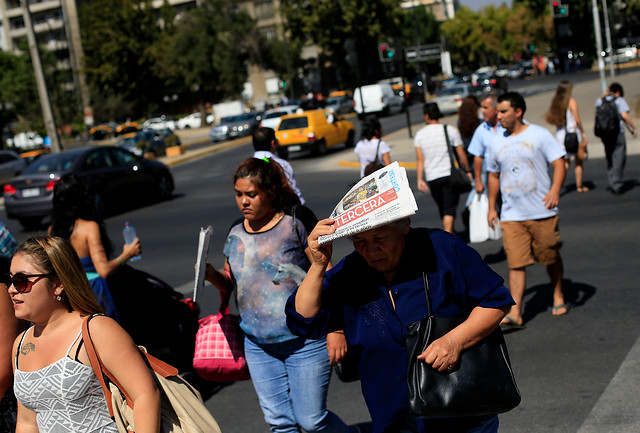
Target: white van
[[377, 98]]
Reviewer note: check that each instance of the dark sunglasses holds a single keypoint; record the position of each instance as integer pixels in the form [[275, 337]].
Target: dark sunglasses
[[21, 281]]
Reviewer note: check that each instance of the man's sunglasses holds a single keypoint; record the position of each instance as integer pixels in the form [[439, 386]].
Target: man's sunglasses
[[21, 281]]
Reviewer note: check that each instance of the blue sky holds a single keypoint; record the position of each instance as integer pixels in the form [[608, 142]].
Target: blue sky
[[479, 4]]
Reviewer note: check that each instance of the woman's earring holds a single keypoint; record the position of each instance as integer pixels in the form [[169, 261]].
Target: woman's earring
[[58, 298]]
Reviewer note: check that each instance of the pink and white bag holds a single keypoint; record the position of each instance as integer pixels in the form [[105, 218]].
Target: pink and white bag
[[219, 353]]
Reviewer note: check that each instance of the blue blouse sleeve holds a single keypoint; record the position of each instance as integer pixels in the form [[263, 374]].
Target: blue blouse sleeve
[[485, 288]]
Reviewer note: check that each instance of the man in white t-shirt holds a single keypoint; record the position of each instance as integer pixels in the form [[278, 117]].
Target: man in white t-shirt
[[518, 165], [264, 143]]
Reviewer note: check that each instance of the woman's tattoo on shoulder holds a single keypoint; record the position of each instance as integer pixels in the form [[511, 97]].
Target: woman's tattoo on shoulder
[[26, 348]]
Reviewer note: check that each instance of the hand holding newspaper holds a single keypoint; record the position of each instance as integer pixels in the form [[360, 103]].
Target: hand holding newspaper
[[378, 199]]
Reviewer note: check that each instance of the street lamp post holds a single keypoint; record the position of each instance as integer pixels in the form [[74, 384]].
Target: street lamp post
[[596, 26], [607, 32]]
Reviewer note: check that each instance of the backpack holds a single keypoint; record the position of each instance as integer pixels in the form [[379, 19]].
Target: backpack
[[607, 123]]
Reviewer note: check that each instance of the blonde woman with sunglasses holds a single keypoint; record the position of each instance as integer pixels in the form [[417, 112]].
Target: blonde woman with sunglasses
[[54, 382]]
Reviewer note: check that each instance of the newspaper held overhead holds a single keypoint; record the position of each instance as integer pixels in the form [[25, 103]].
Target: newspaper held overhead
[[201, 261], [378, 199]]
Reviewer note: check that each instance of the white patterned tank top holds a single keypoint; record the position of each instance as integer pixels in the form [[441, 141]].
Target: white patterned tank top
[[66, 397]]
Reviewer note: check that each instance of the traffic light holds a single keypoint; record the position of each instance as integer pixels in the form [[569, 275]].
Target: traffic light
[[560, 10], [386, 52]]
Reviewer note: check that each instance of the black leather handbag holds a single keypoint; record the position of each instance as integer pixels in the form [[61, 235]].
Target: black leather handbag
[[482, 382]]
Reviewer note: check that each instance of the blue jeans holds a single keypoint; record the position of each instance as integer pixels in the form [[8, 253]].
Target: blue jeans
[[291, 380]]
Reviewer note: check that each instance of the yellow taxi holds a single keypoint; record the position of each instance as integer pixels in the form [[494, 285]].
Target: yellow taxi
[[312, 131]]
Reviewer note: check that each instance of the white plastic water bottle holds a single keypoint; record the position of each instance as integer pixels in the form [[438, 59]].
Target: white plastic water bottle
[[129, 234]]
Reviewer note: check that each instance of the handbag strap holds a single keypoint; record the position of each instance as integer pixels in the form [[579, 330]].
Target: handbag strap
[[159, 367], [376, 159], [449, 149], [225, 298], [425, 279], [99, 370]]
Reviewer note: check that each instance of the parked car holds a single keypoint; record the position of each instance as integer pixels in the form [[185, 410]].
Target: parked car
[[515, 72], [450, 98], [235, 126], [310, 131], [25, 140], [378, 99], [451, 81], [149, 141], [114, 175], [127, 129], [11, 164], [340, 104], [489, 83], [502, 71], [193, 120], [103, 131], [271, 118], [161, 122]]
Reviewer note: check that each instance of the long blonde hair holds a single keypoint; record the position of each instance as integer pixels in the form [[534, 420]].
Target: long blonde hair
[[56, 256], [557, 113]]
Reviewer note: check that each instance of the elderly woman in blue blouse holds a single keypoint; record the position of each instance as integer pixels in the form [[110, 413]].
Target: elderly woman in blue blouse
[[377, 290]]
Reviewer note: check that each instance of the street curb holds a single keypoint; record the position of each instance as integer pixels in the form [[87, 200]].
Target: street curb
[[195, 154]]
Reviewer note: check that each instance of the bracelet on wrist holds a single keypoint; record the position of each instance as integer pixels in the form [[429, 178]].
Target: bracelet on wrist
[[122, 262]]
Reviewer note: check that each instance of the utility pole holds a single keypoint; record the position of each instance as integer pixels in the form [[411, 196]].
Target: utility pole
[[45, 102], [596, 26], [607, 32]]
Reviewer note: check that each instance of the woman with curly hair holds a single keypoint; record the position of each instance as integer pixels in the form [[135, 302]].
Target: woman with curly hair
[[563, 113]]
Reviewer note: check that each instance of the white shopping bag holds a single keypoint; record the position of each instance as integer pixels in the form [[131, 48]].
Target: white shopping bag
[[479, 230]]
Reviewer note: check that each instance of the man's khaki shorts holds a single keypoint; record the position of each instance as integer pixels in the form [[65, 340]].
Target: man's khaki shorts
[[526, 240]]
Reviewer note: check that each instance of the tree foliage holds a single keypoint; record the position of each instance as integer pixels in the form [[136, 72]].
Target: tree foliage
[[495, 35], [118, 38], [19, 98], [329, 23], [212, 48]]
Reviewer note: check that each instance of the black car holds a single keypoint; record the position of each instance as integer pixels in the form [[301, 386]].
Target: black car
[[115, 176]]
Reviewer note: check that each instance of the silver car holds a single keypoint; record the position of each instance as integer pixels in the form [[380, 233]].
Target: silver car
[[450, 98], [235, 126]]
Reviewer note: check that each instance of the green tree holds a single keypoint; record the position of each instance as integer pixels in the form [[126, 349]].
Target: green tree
[[419, 25], [537, 7], [465, 38], [120, 61], [211, 49], [19, 98], [18, 94], [366, 23], [494, 35]]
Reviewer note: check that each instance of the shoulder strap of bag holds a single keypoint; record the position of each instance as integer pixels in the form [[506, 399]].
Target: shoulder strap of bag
[[225, 298], [377, 158], [159, 367], [454, 163], [425, 279], [98, 369]]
